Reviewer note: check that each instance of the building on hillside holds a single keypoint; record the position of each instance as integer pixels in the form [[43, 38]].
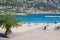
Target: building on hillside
[[45, 1], [58, 6]]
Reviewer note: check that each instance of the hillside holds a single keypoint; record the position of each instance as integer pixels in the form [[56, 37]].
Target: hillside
[[28, 6]]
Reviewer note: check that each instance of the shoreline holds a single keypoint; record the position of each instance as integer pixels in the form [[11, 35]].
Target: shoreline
[[35, 13]]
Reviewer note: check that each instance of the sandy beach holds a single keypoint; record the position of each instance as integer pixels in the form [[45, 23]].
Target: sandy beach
[[34, 31], [32, 26]]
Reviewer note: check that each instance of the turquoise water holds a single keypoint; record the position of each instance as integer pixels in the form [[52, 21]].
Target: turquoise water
[[39, 17]]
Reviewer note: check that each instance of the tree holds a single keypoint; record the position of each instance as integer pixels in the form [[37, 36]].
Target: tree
[[7, 21]]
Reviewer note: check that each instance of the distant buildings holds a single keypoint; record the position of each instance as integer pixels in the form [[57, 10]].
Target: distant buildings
[[45, 1], [58, 6]]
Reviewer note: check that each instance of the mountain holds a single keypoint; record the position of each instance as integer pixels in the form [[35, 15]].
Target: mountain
[[32, 5], [55, 3]]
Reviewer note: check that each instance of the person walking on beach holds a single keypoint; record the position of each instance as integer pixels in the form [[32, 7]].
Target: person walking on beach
[[44, 27]]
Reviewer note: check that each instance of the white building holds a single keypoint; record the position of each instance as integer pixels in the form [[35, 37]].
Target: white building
[[45, 1]]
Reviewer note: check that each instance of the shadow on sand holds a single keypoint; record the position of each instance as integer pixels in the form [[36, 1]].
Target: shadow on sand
[[2, 35]]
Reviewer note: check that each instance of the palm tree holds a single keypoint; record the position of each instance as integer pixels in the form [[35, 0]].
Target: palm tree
[[7, 21]]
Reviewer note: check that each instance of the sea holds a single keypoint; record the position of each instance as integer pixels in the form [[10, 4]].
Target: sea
[[38, 17]]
